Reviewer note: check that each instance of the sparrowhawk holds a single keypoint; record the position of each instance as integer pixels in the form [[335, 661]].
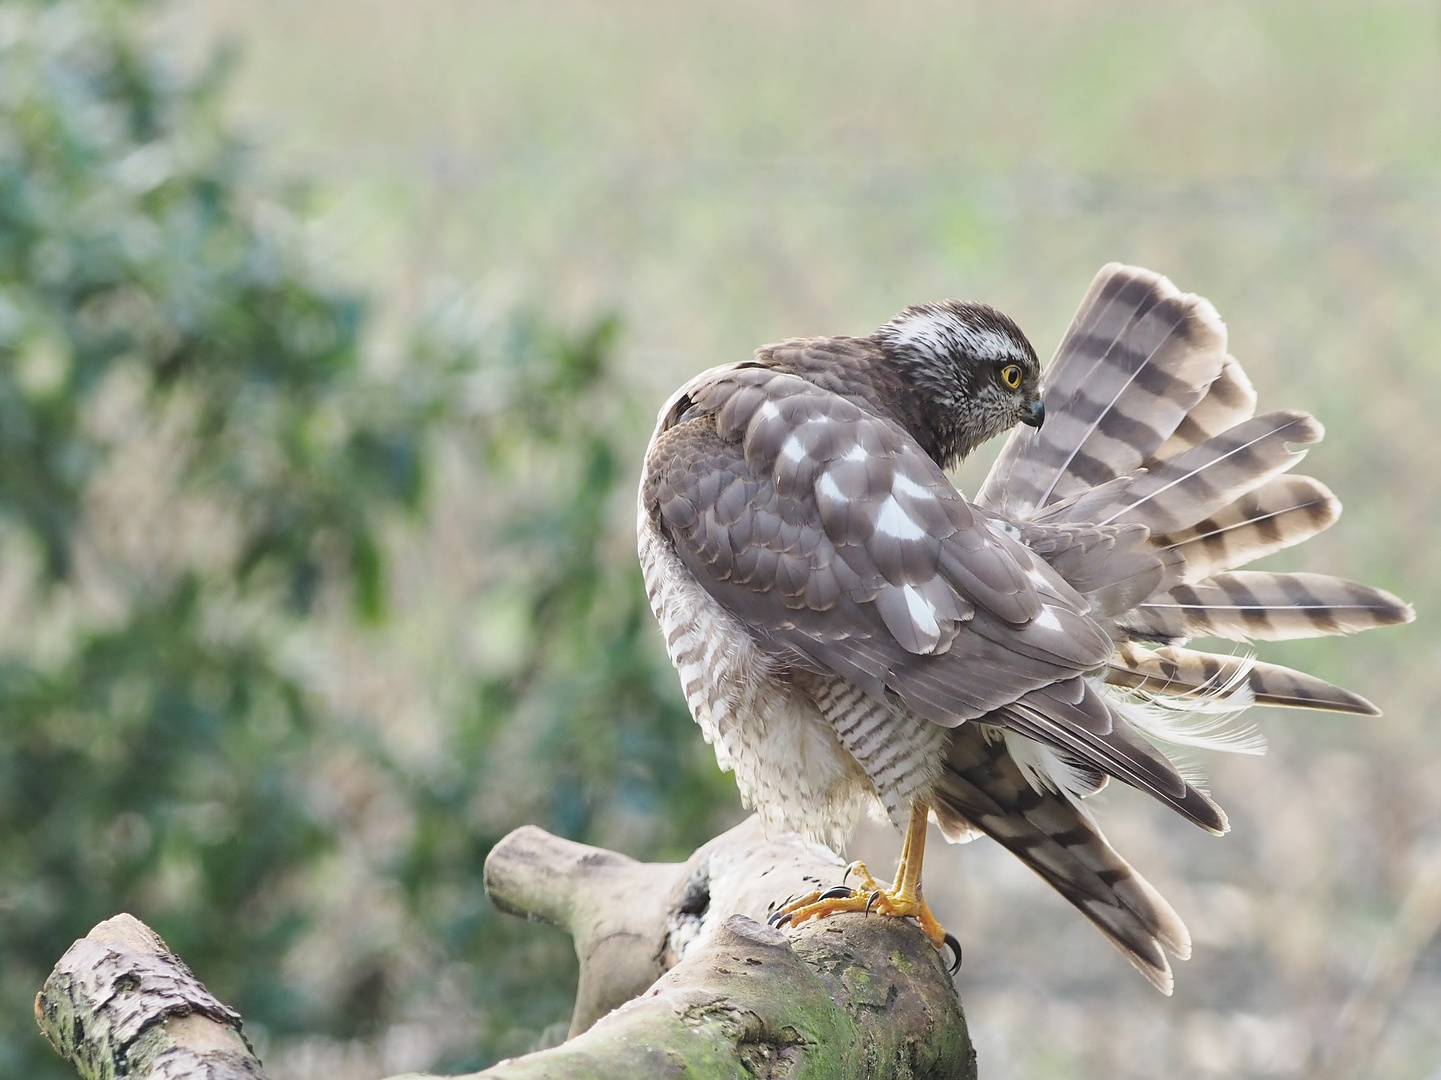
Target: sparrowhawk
[[850, 631]]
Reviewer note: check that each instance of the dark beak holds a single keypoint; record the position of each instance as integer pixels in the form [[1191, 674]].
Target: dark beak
[[1034, 413]]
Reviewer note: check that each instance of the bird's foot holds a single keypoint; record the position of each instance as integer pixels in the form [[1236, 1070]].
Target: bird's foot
[[871, 898]]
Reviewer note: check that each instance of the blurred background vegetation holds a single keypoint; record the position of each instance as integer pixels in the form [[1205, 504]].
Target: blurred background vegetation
[[325, 365]]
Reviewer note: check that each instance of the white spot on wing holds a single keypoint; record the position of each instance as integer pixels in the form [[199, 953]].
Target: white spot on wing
[[792, 449], [768, 411], [893, 521], [923, 612], [855, 453], [904, 485], [827, 488], [1047, 620]]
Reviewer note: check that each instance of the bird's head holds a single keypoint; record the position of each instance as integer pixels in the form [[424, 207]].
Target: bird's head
[[971, 366]]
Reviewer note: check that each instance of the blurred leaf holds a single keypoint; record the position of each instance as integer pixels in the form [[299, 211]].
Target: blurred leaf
[[195, 462]]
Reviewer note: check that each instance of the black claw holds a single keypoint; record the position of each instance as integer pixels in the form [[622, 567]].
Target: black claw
[[955, 947], [874, 897], [837, 893], [778, 919]]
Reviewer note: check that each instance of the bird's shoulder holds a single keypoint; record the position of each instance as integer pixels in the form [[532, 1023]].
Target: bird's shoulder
[[820, 374]]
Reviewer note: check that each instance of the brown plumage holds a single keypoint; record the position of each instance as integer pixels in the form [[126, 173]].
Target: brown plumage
[[848, 628]]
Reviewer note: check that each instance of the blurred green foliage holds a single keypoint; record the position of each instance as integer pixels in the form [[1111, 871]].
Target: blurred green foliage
[[198, 466]]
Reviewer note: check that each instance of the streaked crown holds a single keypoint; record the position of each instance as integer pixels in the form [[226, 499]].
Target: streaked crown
[[963, 359]]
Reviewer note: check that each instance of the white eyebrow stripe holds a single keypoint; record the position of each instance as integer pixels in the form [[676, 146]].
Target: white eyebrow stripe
[[895, 522]]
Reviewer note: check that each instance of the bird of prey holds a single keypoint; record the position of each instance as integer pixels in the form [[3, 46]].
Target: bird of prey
[[851, 632]]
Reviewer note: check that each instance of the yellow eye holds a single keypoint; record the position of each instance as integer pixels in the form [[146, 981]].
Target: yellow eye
[[1011, 376]]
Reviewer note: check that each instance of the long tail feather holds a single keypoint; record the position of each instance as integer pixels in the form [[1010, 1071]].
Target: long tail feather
[[1176, 494], [1150, 482], [1279, 514], [1230, 400], [982, 788], [1178, 672], [1253, 605], [1138, 357]]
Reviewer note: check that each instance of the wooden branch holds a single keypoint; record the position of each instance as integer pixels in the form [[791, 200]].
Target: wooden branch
[[848, 996], [119, 1003], [679, 977]]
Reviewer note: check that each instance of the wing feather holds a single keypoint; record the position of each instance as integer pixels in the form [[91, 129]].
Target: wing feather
[[828, 532], [1072, 727]]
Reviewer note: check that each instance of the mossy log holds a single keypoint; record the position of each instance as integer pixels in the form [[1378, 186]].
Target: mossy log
[[679, 978]]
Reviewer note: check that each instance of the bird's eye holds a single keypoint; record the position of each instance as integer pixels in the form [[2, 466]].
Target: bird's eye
[[1011, 376]]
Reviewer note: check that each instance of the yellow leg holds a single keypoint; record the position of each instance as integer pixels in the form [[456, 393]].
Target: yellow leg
[[902, 899]]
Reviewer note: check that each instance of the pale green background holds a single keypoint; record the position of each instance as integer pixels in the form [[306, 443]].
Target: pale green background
[[725, 174]]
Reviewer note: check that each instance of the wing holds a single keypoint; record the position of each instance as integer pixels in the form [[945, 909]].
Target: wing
[[827, 531]]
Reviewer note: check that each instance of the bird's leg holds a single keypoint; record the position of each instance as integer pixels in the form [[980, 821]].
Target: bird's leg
[[901, 899]]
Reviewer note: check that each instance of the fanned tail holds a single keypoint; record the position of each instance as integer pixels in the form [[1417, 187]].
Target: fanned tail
[[1151, 481]]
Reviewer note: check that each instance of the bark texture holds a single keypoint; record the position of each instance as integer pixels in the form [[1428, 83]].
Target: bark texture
[[119, 1003], [848, 996], [679, 978]]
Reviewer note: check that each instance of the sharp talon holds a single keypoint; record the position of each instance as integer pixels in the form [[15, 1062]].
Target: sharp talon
[[874, 897], [784, 920], [837, 893], [955, 947], [775, 917]]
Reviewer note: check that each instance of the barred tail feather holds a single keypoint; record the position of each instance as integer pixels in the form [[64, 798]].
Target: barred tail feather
[[1282, 513], [1206, 479], [1177, 673], [1151, 481], [982, 787], [1139, 356], [1253, 605], [1230, 399]]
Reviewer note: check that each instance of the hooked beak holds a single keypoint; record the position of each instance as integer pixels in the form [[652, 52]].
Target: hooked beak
[[1034, 414]]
